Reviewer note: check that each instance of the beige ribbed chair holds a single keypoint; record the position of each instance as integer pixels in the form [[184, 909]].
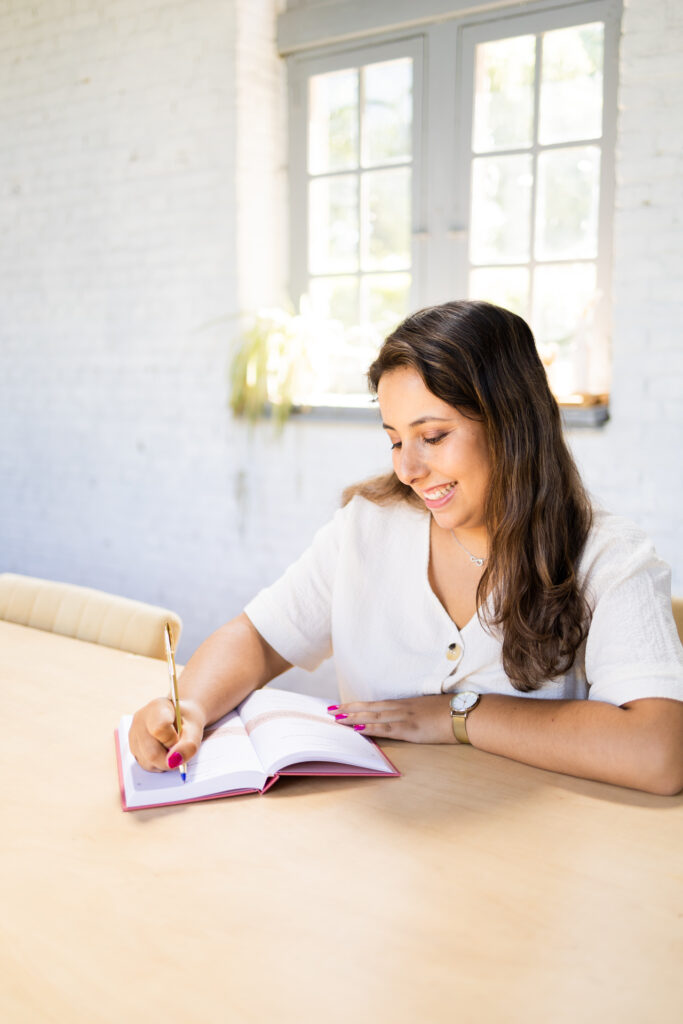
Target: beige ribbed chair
[[86, 614], [677, 603]]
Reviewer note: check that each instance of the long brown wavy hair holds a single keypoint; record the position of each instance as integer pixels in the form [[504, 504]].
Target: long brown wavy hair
[[482, 360]]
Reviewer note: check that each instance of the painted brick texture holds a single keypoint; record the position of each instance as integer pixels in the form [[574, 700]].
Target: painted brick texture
[[142, 207], [634, 464]]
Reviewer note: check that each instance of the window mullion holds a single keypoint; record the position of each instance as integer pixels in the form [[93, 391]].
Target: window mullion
[[361, 301], [534, 173]]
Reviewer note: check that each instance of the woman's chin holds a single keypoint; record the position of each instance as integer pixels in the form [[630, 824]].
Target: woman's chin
[[451, 519]]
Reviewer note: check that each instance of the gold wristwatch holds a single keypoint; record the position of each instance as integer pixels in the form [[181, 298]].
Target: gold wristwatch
[[461, 705]]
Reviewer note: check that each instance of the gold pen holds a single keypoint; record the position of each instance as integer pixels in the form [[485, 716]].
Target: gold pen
[[170, 660]]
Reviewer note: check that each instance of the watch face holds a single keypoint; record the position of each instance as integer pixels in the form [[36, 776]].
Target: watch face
[[464, 701]]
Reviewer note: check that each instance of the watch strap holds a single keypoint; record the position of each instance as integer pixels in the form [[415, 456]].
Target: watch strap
[[458, 719]]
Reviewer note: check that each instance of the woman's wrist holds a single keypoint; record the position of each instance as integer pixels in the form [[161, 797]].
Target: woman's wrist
[[192, 707]]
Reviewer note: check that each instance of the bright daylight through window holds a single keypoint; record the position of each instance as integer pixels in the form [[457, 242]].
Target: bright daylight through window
[[535, 191], [517, 118], [359, 190]]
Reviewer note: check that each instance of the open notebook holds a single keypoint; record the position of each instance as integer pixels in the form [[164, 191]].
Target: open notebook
[[272, 733]]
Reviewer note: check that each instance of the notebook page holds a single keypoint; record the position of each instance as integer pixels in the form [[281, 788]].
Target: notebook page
[[226, 760], [287, 728]]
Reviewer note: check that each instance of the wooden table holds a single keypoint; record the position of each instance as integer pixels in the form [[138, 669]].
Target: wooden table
[[471, 889]]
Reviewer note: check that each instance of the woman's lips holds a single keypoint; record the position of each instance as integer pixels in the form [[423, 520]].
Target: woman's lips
[[443, 500]]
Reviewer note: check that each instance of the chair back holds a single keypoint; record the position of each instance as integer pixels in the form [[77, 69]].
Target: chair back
[[677, 604], [86, 614]]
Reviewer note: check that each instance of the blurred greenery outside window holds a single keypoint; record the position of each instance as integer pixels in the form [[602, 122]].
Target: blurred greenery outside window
[[462, 160]]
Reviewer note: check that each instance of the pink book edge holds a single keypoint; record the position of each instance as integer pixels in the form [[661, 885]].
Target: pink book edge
[[342, 771], [167, 803]]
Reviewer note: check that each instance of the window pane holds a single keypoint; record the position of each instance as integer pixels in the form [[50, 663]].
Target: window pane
[[568, 194], [504, 94], [564, 303], [387, 298], [333, 224], [385, 219], [333, 121], [501, 203], [335, 298], [387, 112], [562, 296], [349, 362], [505, 286], [571, 84]]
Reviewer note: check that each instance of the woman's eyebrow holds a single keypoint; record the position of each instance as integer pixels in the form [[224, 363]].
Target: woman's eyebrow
[[422, 419]]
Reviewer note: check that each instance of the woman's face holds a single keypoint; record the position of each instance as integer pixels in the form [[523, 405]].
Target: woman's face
[[436, 450]]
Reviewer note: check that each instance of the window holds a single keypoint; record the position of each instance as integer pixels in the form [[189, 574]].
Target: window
[[467, 159], [354, 190], [538, 186]]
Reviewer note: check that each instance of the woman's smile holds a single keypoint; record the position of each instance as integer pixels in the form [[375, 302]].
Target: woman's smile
[[437, 497], [436, 450]]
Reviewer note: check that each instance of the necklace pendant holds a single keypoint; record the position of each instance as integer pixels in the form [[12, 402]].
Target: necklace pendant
[[473, 558]]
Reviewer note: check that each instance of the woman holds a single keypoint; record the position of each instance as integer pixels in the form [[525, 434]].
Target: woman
[[473, 595]]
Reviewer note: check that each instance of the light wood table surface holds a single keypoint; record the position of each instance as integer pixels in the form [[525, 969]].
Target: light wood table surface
[[470, 889]]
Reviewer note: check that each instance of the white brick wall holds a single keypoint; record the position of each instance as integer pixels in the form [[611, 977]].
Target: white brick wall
[[634, 465], [141, 207]]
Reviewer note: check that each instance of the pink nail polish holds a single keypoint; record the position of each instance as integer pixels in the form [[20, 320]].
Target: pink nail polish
[[175, 759], [333, 707], [338, 718], [358, 727]]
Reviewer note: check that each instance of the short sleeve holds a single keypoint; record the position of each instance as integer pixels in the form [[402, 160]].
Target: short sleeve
[[632, 649], [294, 614]]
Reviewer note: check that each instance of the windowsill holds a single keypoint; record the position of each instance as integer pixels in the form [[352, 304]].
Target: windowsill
[[574, 416], [584, 412]]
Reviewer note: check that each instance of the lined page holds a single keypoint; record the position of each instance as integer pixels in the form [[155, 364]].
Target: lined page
[[287, 728], [226, 760]]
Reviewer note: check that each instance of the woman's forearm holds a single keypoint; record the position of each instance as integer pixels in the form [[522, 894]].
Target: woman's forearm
[[230, 664], [639, 745]]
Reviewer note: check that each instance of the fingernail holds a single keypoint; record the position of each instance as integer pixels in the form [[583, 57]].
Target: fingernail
[[333, 707], [175, 759], [358, 727], [337, 718]]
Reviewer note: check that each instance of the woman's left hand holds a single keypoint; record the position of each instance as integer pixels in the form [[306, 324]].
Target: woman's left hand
[[416, 719]]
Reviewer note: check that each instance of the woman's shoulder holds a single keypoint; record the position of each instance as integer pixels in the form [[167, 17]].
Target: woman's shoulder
[[611, 530], [368, 525], [371, 516], [615, 545]]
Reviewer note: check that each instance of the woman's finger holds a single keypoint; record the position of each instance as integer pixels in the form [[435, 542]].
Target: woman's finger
[[154, 738], [372, 711], [161, 722], [187, 746]]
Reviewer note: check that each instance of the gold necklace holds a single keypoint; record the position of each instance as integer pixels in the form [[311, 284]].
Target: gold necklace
[[473, 558]]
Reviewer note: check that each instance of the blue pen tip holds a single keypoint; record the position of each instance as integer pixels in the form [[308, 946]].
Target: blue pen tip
[[183, 775]]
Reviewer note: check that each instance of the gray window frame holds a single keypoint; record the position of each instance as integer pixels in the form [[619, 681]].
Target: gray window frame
[[318, 38]]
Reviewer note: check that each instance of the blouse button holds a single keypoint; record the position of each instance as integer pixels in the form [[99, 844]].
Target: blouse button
[[454, 652]]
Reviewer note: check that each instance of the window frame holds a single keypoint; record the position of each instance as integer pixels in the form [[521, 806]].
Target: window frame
[[536, 22], [442, 150], [301, 68]]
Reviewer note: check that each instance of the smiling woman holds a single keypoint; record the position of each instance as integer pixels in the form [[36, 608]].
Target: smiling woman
[[473, 594], [466, 380]]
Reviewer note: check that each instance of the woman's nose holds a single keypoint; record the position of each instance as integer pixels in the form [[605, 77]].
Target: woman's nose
[[410, 465]]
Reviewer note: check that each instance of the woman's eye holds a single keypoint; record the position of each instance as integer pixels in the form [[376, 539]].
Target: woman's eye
[[426, 440]]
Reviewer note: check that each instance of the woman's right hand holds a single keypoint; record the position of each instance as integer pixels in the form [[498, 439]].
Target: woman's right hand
[[153, 737], [223, 671]]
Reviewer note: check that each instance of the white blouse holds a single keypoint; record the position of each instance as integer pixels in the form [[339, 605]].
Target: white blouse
[[362, 593]]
